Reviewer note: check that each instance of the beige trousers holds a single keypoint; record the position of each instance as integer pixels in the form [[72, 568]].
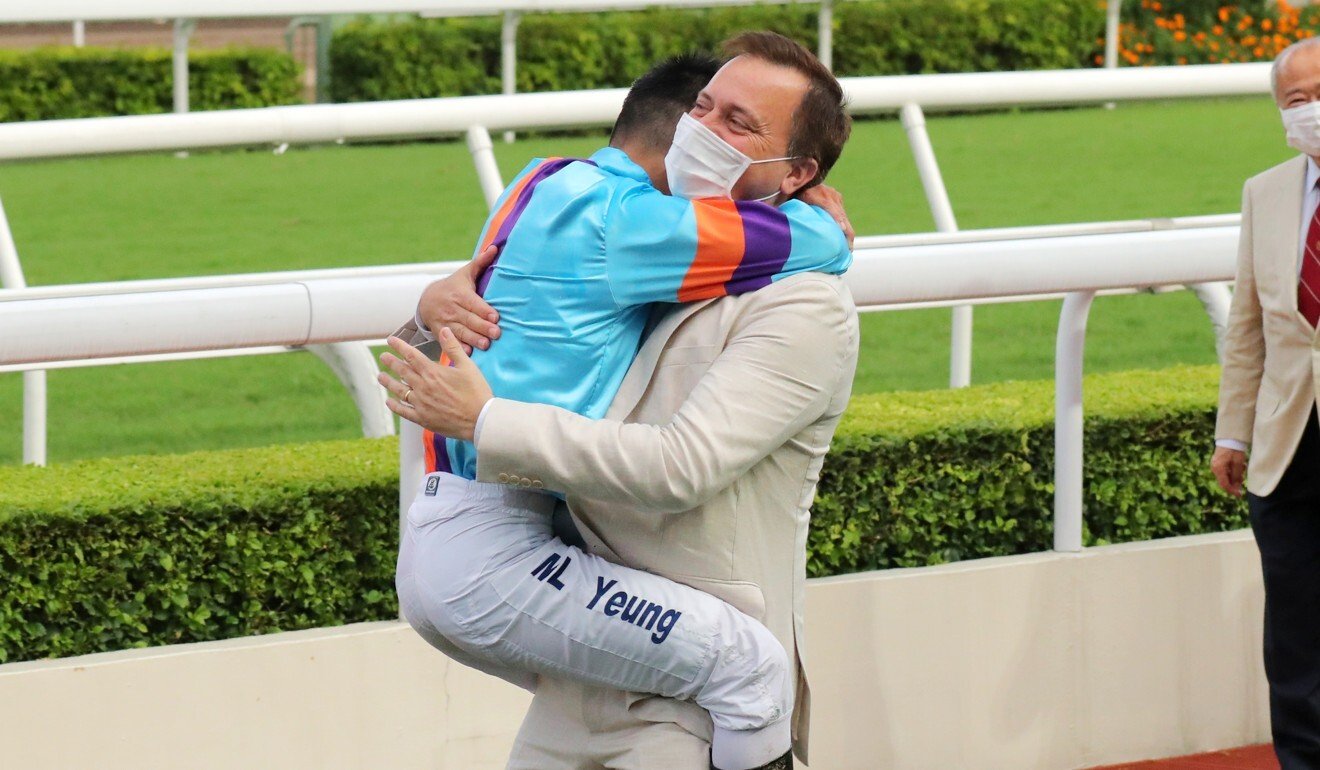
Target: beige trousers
[[573, 726]]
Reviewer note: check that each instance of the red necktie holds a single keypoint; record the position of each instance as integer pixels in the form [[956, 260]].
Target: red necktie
[[1308, 288]]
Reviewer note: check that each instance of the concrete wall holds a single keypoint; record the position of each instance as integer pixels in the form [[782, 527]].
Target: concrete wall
[[369, 695], [1045, 661]]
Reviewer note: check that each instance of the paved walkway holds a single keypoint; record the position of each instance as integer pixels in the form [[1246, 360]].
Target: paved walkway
[[1246, 758]]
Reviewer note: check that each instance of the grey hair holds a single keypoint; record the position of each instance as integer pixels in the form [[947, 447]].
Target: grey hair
[[1281, 61]]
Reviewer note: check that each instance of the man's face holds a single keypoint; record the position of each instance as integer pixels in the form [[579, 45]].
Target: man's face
[[749, 104], [1299, 80]]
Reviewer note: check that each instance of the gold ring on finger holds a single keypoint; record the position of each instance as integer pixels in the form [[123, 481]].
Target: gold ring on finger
[[406, 396]]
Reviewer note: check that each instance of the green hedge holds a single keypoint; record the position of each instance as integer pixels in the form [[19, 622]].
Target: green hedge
[[143, 551], [374, 60], [914, 479], [49, 83], [131, 552]]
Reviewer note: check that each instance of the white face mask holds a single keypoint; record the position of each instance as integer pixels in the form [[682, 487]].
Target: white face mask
[[1302, 124], [700, 164]]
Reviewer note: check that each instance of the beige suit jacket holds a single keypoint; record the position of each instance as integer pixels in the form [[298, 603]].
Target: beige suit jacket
[[1268, 387], [706, 464]]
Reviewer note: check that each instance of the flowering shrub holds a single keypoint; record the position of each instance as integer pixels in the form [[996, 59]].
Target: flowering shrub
[[1208, 32]]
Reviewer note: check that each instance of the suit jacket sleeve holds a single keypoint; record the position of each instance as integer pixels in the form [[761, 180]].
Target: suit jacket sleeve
[[1244, 346], [776, 376]]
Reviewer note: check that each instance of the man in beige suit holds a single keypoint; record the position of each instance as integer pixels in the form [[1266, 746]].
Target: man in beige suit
[[703, 471], [1267, 403]]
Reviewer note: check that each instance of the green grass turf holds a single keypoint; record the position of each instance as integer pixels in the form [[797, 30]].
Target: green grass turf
[[214, 213]]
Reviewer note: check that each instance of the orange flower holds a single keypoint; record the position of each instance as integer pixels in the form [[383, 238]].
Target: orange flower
[[1214, 45], [1249, 40], [1182, 59], [1218, 30], [1180, 36], [1258, 51], [1266, 25], [1223, 14], [1155, 6]]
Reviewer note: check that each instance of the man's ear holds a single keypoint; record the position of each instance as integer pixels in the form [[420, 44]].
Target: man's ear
[[802, 172]]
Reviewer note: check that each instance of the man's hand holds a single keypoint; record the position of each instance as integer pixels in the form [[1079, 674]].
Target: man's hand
[[831, 200], [443, 399], [1230, 468], [453, 303]]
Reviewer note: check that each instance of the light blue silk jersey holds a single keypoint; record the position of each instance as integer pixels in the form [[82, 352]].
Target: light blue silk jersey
[[586, 247]]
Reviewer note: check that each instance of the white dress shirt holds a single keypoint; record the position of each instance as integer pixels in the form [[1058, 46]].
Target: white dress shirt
[[1310, 201]]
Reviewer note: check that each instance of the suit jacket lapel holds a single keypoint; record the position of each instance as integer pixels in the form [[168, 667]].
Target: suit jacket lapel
[[1282, 220], [639, 375], [665, 320]]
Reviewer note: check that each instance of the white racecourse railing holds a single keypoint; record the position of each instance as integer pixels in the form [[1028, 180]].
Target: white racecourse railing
[[57, 324], [414, 118], [280, 126]]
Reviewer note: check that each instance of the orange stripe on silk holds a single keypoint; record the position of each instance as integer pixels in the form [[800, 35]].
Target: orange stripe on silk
[[509, 203], [428, 437], [428, 446], [720, 249]]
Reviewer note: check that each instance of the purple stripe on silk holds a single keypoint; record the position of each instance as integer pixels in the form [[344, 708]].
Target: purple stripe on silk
[[524, 197], [442, 461], [767, 243]]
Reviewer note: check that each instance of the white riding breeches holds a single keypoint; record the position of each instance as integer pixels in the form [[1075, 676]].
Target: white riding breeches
[[482, 577]]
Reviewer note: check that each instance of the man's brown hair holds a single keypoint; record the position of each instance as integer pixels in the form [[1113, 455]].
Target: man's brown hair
[[820, 124]]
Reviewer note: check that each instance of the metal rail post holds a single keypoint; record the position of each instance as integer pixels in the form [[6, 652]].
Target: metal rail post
[[355, 366], [79, 34], [825, 34], [1111, 33], [1111, 38], [34, 417], [1217, 300], [183, 29], [11, 270], [1068, 426], [34, 382], [412, 466], [483, 156], [937, 197], [509, 57]]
